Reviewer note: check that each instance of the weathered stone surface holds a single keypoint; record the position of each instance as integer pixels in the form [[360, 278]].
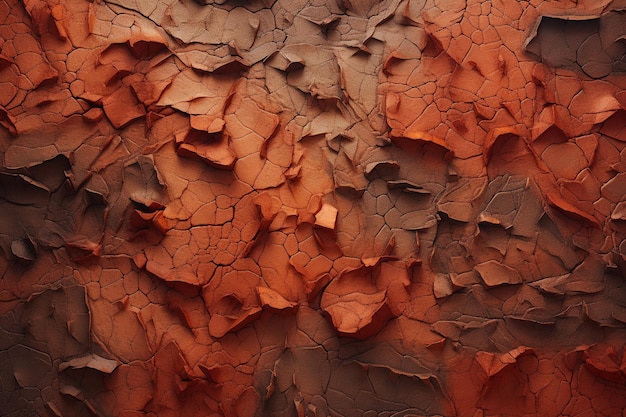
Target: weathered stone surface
[[312, 208]]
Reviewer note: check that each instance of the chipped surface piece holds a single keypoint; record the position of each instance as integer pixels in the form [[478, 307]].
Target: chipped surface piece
[[312, 208]]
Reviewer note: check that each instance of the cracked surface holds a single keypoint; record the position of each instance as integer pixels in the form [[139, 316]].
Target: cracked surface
[[312, 208]]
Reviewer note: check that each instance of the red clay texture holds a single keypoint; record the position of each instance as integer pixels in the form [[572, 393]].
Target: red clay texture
[[312, 208]]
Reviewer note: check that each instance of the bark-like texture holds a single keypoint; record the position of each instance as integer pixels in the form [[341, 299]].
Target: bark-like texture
[[312, 208]]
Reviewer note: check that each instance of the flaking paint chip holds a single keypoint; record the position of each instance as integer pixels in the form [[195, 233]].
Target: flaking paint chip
[[326, 216]]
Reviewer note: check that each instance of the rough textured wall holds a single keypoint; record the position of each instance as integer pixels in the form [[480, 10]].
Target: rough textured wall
[[312, 208]]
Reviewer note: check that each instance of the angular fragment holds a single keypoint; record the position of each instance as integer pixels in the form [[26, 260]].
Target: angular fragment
[[326, 217], [356, 314], [274, 300], [493, 364], [494, 273], [213, 148], [360, 301], [122, 107], [92, 361]]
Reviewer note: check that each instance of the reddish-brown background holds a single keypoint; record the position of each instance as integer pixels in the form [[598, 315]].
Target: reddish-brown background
[[312, 208]]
